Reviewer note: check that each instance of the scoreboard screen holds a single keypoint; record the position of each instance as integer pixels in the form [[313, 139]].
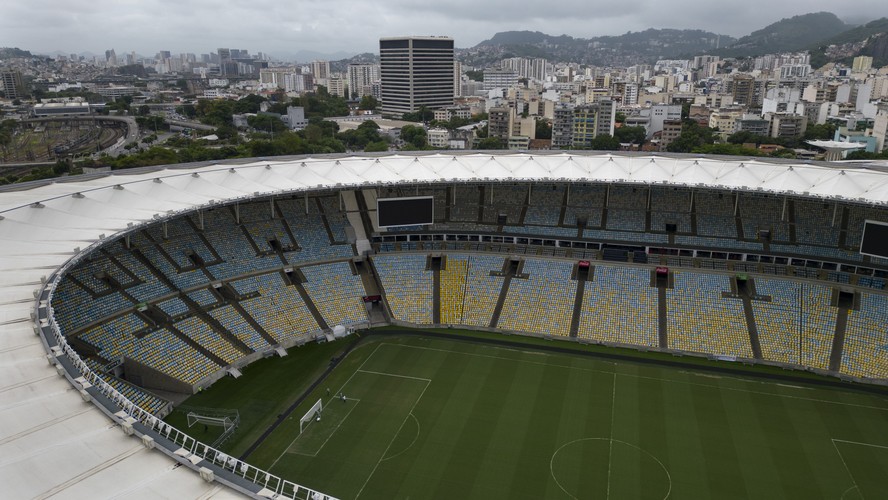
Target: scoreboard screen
[[414, 211], [875, 239]]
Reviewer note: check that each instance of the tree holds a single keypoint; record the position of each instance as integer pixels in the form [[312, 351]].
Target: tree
[[414, 137], [368, 102], [248, 104], [823, 131], [491, 143], [543, 129], [378, 146], [267, 123], [634, 135], [726, 149], [321, 104], [692, 136], [357, 139], [620, 117], [216, 113], [423, 114], [187, 110], [605, 142], [152, 123]]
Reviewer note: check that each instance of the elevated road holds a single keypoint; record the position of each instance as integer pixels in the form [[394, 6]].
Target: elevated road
[[190, 124]]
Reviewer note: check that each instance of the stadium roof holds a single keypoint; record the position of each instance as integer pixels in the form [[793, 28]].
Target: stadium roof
[[54, 443]]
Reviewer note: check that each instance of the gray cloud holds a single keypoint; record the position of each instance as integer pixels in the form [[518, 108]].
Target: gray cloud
[[352, 26]]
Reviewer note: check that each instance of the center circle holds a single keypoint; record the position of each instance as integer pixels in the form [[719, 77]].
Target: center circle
[[609, 468]]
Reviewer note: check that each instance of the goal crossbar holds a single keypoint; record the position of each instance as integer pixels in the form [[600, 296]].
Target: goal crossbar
[[225, 422]]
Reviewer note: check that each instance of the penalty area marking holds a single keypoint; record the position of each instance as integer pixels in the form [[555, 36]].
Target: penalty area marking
[[611, 442], [315, 454], [415, 437], [854, 484]]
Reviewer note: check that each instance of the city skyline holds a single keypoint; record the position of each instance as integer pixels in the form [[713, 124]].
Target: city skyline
[[352, 28]]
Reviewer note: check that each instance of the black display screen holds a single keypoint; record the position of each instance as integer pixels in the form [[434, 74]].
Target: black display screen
[[416, 211], [875, 239]]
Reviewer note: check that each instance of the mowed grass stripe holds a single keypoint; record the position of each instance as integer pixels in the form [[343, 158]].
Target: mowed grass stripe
[[717, 442], [764, 476], [555, 415], [641, 408], [471, 432]]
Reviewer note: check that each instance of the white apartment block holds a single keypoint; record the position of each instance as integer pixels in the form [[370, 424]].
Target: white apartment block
[[336, 85], [361, 78], [530, 68]]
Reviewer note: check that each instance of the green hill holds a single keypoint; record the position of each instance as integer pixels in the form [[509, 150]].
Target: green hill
[[630, 48], [10, 52], [871, 39], [787, 35]]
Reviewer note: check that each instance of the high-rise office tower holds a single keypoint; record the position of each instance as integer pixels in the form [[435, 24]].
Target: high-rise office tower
[[416, 72], [13, 87]]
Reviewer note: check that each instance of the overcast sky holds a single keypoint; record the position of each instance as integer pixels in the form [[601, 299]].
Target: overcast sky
[[282, 27]]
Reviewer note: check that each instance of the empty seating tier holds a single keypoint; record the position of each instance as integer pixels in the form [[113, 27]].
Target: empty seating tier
[[453, 289], [232, 321], [280, 309], [203, 334], [866, 339], [620, 306], [336, 292], [542, 303], [700, 320], [408, 286]]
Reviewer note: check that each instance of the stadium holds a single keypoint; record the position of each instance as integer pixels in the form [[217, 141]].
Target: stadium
[[474, 325]]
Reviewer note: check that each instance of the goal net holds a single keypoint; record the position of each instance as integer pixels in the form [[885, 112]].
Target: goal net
[[228, 420], [313, 413]]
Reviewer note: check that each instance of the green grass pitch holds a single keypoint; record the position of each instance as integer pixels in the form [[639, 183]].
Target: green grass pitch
[[439, 418]]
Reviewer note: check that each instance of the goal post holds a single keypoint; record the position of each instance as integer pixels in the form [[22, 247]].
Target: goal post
[[222, 421], [311, 414]]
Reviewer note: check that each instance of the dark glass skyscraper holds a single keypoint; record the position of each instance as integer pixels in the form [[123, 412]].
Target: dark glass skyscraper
[[415, 72]]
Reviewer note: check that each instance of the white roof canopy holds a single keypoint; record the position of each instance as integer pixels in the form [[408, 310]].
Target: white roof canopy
[[45, 426]]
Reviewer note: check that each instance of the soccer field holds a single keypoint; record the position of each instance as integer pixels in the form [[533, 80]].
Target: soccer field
[[438, 418]]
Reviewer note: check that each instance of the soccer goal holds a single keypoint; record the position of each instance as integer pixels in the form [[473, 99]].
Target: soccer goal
[[228, 420], [313, 413]]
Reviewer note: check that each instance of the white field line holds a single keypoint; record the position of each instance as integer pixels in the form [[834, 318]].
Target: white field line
[[847, 469], [610, 449]]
